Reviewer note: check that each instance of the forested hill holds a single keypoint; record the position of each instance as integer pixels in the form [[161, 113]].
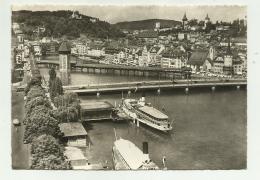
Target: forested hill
[[60, 23], [146, 24]]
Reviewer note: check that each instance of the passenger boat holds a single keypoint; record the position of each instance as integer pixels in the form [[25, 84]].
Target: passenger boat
[[143, 112], [127, 156]]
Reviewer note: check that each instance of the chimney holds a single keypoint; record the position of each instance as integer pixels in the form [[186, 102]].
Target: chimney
[[145, 151]]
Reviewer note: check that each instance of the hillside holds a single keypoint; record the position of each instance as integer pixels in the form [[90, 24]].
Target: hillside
[[146, 24], [60, 23]]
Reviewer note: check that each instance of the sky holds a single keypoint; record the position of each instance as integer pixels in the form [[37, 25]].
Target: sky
[[114, 14]]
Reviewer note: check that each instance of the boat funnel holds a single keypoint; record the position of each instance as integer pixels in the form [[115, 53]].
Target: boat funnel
[[142, 99], [145, 151]]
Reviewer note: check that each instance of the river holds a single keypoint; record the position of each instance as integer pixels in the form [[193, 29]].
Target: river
[[209, 127]]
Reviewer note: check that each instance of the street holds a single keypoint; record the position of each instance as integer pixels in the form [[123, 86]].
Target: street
[[20, 151]]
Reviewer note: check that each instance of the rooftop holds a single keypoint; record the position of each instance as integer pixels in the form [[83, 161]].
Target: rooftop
[[74, 153], [96, 105], [153, 112], [133, 156], [72, 129], [64, 47], [198, 57]]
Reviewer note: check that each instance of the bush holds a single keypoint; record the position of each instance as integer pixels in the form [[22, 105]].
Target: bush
[[47, 153]]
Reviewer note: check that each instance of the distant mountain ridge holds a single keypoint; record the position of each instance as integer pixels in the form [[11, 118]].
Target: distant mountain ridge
[[146, 24]]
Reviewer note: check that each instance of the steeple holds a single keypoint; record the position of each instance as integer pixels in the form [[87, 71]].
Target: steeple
[[184, 17], [207, 17]]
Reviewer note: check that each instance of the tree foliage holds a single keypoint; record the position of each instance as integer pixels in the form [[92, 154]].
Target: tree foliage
[[55, 84], [41, 122], [40, 102], [47, 153], [60, 23], [35, 81], [68, 108], [35, 91]]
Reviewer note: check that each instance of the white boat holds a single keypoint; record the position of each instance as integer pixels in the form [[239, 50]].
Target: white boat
[[143, 112], [127, 156]]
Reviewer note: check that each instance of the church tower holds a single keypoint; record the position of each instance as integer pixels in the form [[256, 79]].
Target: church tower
[[184, 21], [64, 61], [207, 20]]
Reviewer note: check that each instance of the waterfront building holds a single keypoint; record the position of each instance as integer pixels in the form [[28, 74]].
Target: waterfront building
[[228, 61], [172, 58], [74, 134], [218, 65], [238, 67], [154, 57], [64, 61]]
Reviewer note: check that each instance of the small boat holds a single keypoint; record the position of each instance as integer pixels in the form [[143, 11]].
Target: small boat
[[119, 115], [127, 156], [143, 112]]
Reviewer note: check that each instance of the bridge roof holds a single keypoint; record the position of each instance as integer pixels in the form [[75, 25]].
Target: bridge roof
[[64, 47]]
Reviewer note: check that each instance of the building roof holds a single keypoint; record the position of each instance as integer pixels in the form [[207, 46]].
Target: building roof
[[237, 62], [198, 57], [73, 153], [64, 47], [148, 34], [96, 105], [172, 53], [133, 156], [184, 17], [153, 112], [72, 129], [154, 49]]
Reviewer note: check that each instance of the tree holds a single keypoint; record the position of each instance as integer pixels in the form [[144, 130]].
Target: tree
[[40, 103], [55, 84], [193, 22], [68, 108], [35, 91], [35, 81], [39, 123], [47, 153]]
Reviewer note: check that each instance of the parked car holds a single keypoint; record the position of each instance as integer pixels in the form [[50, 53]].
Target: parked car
[[16, 122]]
